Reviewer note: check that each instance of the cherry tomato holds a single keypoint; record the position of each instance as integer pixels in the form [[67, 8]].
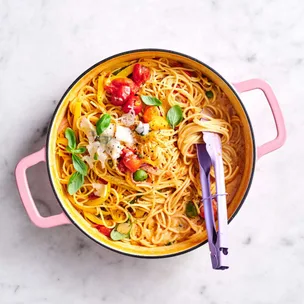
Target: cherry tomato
[[104, 230], [133, 102], [131, 161], [140, 74], [121, 167], [150, 113], [214, 207], [121, 89]]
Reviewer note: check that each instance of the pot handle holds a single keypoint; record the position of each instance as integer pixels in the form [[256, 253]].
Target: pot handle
[[26, 197], [260, 84]]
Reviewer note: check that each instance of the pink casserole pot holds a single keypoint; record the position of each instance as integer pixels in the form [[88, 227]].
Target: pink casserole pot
[[234, 90]]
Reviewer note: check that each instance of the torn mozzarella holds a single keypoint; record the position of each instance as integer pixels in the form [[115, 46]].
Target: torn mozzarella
[[142, 128], [114, 148], [124, 134], [109, 131], [99, 189], [128, 119], [102, 157], [87, 127], [93, 147], [89, 160]]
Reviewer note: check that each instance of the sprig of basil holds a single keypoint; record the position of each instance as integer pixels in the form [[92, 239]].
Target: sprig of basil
[[191, 210], [150, 101], [79, 150], [175, 116], [79, 165], [71, 147], [75, 182], [70, 136], [103, 123]]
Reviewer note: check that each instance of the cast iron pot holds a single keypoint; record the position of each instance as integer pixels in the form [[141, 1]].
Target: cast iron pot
[[70, 215]]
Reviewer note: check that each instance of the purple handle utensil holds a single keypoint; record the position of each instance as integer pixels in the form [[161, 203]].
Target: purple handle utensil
[[210, 154]]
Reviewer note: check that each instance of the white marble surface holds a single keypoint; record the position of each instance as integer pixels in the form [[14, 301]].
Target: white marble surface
[[45, 45]]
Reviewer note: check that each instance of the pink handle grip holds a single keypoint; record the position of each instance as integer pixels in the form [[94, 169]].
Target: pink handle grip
[[26, 197], [279, 141]]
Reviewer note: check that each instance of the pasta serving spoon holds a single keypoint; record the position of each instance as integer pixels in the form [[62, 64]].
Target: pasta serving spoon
[[210, 154]]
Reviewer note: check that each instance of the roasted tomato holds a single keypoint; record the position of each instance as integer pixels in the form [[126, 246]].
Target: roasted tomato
[[214, 207], [121, 89], [104, 230], [150, 113], [121, 167], [131, 160], [140, 74], [133, 102]]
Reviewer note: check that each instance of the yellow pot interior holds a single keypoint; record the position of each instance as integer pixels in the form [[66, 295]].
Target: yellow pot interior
[[236, 200]]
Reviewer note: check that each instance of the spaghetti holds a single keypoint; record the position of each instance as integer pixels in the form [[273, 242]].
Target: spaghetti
[[159, 203]]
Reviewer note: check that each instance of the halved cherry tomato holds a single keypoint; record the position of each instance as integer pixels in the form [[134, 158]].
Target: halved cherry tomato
[[214, 207], [121, 89], [131, 161], [140, 74], [133, 102], [104, 230], [150, 113], [121, 167]]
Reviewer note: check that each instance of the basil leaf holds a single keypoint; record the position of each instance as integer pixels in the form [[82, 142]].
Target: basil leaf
[[175, 116], [79, 150], [103, 123], [75, 182], [117, 236], [69, 149], [191, 210], [70, 136], [150, 101], [79, 165]]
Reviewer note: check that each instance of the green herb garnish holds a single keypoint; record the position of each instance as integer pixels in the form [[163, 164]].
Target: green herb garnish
[[103, 123], [191, 210], [77, 178], [150, 101], [70, 136], [95, 156], [75, 182], [79, 165], [175, 116], [79, 150]]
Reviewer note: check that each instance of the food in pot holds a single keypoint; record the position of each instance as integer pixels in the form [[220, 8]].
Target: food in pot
[[126, 156]]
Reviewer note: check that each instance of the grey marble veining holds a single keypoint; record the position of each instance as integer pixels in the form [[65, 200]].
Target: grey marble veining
[[45, 45]]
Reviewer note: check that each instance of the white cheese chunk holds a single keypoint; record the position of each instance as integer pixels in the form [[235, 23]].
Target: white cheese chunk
[[142, 128], [114, 148], [124, 134], [109, 131], [128, 119], [87, 127]]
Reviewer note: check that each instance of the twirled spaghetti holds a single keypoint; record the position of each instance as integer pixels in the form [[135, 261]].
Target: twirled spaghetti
[[155, 207]]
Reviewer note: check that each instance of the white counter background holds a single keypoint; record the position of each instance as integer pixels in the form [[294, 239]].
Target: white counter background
[[45, 45]]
